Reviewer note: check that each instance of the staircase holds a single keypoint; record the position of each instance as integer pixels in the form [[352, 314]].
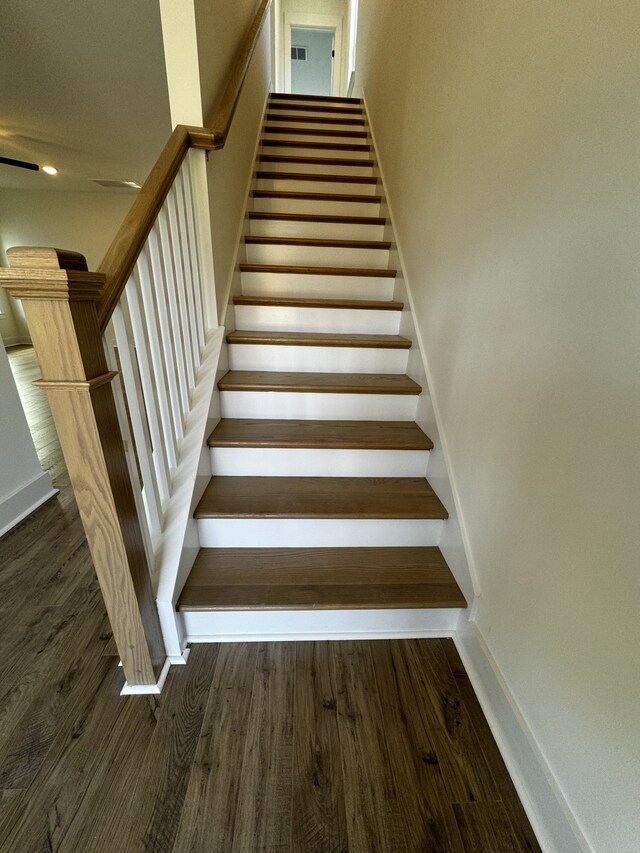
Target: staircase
[[319, 500]]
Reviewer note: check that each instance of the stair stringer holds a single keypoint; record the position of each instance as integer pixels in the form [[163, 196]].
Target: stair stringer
[[454, 542]]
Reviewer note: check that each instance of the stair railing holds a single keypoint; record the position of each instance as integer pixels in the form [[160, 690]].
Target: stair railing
[[119, 351]]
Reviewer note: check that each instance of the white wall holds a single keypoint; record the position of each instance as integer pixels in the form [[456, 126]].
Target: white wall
[[23, 484], [508, 134], [316, 7]]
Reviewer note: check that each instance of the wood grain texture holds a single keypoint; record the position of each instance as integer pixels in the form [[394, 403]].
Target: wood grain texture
[[316, 176], [306, 302], [319, 383], [298, 269], [316, 131], [324, 578], [319, 497], [372, 435], [313, 99], [304, 196], [325, 146], [61, 310], [272, 115], [317, 217], [318, 807], [311, 241], [318, 339], [316, 161]]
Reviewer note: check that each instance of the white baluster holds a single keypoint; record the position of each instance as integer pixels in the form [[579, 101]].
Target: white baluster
[[193, 250], [149, 391], [138, 420], [190, 347], [189, 279], [180, 346]]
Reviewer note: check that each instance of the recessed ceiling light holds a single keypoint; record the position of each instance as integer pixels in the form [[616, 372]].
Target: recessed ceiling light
[[50, 170]]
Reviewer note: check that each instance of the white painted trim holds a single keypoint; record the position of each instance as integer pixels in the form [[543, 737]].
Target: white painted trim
[[17, 341], [147, 689], [24, 500], [320, 22], [556, 827], [301, 625], [179, 545], [473, 570]]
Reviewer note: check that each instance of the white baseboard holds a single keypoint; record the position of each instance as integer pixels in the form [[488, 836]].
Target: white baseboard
[[148, 689], [15, 507], [554, 824]]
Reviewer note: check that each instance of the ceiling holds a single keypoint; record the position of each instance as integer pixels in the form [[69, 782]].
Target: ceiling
[[83, 88]]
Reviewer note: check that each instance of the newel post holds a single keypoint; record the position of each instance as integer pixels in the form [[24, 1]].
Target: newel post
[[60, 302]]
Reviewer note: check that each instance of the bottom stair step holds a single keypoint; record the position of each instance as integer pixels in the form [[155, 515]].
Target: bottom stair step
[[319, 579]]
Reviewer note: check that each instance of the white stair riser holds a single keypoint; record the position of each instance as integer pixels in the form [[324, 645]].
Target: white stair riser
[[284, 135], [293, 150], [316, 286], [298, 185], [320, 110], [318, 230], [342, 320], [316, 462], [291, 120], [318, 532], [317, 406], [321, 207], [317, 359], [317, 256], [315, 168], [265, 625]]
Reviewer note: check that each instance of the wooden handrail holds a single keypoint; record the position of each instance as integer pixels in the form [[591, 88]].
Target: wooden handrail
[[126, 246]]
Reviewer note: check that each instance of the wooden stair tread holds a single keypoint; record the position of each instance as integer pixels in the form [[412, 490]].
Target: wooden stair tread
[[327, 146], [318, 383], [318, 217], [320, 497], [345, 435], [316, 131], [283, 116], [315, 176], [305, 196], [285, 96], [319, 578], [311, 241], [318, 339], [297, 269], [317, 108], [310, 302], [316, 161]]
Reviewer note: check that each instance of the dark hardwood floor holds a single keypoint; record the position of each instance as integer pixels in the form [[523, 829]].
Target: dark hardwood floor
[[366, 747]]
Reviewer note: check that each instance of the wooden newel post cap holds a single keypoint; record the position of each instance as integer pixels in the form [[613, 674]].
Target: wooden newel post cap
[[43, 274], [34, 257]]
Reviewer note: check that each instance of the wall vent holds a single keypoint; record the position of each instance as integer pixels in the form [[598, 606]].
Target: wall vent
[[299, 53], [129, 185]]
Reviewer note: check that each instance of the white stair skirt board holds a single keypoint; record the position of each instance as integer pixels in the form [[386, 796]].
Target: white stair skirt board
[[316, 286], [318, 532], [315, 406], [299, 185], [319, 230], [314, 168], [341, 320], [324, 153], [317, 359], [316, 206], [317, 462], [269, 625], [318, 256], [26, 499]]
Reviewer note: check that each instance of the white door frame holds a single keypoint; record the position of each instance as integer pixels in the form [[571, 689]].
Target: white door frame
[[319, 22]]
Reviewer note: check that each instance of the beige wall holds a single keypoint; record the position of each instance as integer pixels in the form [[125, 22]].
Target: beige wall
[[83, 222], [508, 135]]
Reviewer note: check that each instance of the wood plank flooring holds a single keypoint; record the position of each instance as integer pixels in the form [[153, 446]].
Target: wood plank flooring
[[366, 747]]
